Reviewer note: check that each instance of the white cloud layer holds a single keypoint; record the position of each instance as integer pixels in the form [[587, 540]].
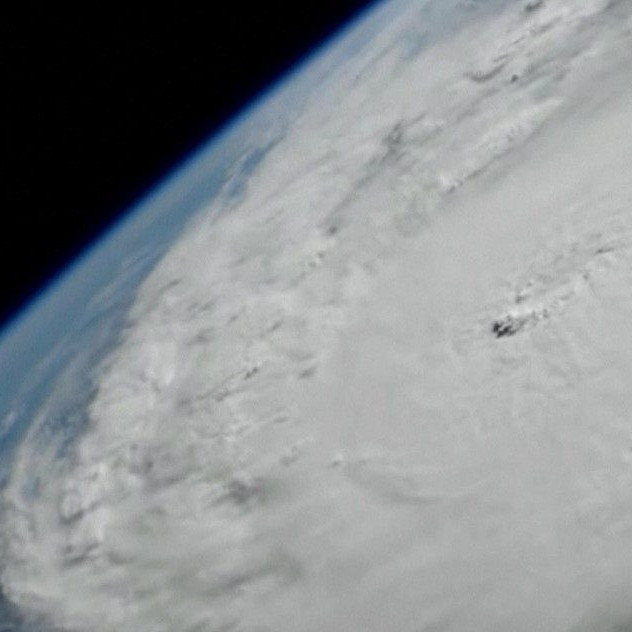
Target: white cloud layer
[[388, 389]]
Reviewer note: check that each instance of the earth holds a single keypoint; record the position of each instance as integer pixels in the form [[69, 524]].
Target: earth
[[363, 363]]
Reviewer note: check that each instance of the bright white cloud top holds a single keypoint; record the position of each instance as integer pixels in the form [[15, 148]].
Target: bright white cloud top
[[385, 384]]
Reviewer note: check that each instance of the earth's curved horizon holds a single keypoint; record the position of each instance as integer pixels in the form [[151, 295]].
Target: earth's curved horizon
[[362, 363]]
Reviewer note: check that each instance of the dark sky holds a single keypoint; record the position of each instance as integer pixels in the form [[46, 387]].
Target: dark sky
[[99, 104]]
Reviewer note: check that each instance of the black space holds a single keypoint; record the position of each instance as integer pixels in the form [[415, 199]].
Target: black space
[[99, 103]]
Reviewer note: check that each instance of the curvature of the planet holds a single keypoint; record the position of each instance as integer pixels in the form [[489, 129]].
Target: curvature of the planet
[[363, 364]]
